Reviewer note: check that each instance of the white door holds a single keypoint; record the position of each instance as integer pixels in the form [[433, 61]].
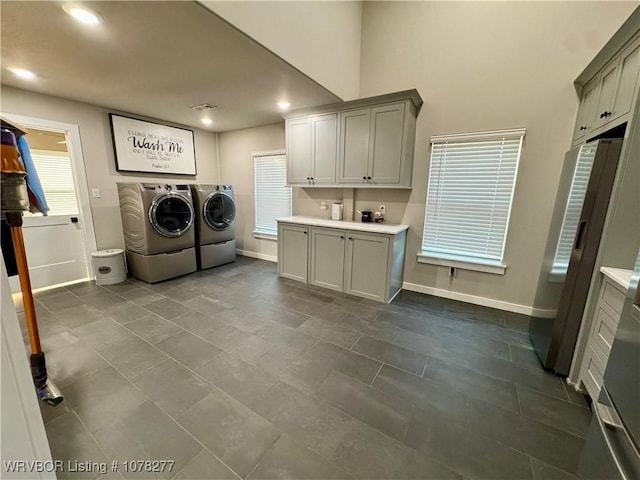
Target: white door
[[57, 245]]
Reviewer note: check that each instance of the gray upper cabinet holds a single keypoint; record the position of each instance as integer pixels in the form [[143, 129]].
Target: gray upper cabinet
[[312, 145], [361, 143], [354, 146], [607, 96]]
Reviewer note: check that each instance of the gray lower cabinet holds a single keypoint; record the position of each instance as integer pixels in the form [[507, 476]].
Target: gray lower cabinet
[[293, 251], [326, 263], [367, 265]]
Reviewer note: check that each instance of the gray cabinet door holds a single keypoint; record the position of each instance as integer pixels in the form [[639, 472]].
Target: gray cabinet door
[[585, 120], [627, 81], [353, 162], [386, 143], [326, 266], [325, 149], [367, 257], [299, 151], [293, 249]]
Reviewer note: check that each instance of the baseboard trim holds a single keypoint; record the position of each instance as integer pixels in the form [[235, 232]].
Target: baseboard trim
[[476, 300], [259, 256]]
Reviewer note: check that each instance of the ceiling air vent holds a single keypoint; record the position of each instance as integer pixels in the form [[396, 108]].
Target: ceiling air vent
[[205, 107]]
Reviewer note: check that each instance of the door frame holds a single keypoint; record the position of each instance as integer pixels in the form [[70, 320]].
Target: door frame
[[74, 148]]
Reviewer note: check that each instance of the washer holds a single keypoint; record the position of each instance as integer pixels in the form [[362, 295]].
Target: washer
[[215, 224], [157, 222]]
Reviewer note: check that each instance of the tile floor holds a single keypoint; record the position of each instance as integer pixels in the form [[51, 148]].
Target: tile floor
[[232, 372]]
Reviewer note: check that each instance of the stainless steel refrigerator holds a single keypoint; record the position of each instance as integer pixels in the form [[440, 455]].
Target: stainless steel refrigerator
[[582, 200], [612, 448]]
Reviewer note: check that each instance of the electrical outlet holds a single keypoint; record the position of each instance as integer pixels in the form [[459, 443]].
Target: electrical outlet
[[323, 205], [382, 209], [95, 192]]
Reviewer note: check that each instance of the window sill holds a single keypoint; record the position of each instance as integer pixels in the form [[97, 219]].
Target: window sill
[[265, 236], [488, 267]]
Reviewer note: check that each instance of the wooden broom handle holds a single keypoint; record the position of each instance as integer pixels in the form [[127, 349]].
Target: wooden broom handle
[[25, 286]]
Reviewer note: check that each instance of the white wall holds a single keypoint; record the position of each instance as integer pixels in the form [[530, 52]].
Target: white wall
[[321, 39], [236, 168], [97, 149], [486, 66]]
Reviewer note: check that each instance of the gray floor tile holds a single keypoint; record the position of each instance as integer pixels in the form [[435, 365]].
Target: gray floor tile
[[79, 315], [167, 308], [424, 344], [556, 413], [208, 306], [141, 296], [418, 466], [544, 471], [576, 397], [199, 324], [331, 333], [473, 384], [239, 379], [392, 354], [147, 433], [368, 326], [71, 442], [132, 356], [103, 333], [250, 347], [235, 434], [422, 393], [102, 300], [316, 424], [278, 334], [206, 467], [283, 315], [172, 387], [377, 409], [345, 361], [84, 288], [288, 459], [153, 328], [409, 323], [524, 356], [101, 397], [484, 346], [66, 365], [242, 320], [125, 312], [60, 300], [366, 453], [188, 349], [465, 452], [549, 444], [50, 413]]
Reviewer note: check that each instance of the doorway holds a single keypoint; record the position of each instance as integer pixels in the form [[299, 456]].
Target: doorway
[[58, 245]]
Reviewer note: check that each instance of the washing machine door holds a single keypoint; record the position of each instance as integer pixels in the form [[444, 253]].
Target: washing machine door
[[219, 211], [171, 214]]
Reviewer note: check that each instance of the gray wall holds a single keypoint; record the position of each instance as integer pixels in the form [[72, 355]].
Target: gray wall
[[236, 168], [97, 149]]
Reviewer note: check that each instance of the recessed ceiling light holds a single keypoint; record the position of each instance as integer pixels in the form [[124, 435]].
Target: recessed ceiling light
[[22, 73], [82, 14], [284, 105], [207, 121]]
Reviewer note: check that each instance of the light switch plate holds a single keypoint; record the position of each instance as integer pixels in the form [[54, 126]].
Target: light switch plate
[[95, 192]]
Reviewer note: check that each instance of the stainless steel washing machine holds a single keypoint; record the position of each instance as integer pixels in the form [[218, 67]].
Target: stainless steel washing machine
[[157, 222], [215, 224]]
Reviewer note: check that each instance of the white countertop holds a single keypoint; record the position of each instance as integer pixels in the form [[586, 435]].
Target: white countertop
[[372, 227], [619, 275]]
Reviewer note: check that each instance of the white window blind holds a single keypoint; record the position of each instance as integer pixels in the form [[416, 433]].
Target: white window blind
[[273, 198], [573, 209], [56, 177], [469, 195]]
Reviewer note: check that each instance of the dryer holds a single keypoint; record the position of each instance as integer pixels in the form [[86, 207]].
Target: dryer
[[157, 222], [215, 224]]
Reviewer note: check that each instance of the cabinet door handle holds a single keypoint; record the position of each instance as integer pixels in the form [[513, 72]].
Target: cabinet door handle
[[312, 179], [607, 114], [583, 128], [342, 237], [350, 238], [305, 232], [364, 178], [368, 178]]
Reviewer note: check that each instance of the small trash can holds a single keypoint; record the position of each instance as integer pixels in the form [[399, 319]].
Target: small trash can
[[109, 266]]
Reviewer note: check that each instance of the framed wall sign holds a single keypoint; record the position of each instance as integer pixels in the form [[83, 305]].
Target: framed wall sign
[[148, 147]]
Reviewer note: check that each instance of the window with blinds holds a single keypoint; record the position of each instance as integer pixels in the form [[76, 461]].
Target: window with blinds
[[56, 177], [572, 211], [272, 197], [469, 195]]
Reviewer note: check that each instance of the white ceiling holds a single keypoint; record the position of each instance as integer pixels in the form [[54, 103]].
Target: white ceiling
[[154, 59]]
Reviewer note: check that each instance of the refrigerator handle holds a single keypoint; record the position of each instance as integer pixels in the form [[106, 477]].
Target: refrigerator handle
[[581, 228]]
